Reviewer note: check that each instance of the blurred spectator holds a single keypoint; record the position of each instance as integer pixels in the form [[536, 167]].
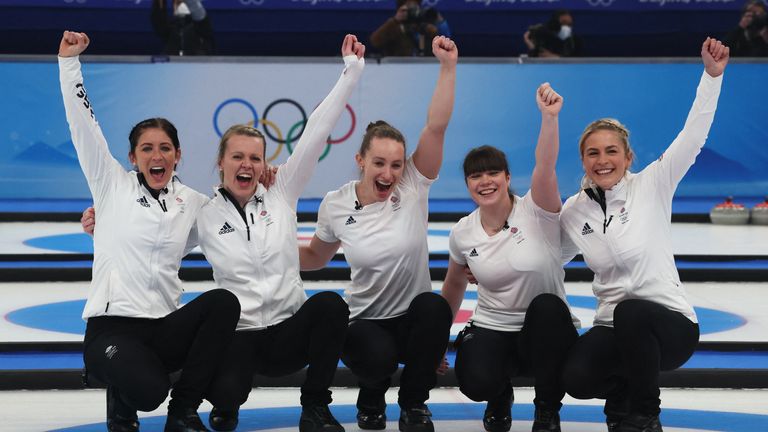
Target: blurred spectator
[[750, 37], [187, 31], [555, 38], [410, 31]]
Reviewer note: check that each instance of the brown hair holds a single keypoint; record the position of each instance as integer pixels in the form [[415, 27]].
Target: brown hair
[[380, 129], [153, 123], [242, 130], [608, 124], [485, 158]]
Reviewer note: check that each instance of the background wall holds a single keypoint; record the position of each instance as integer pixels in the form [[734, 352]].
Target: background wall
[[495, 105]]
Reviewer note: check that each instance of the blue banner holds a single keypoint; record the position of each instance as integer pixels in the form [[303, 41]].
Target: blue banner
[[495, 105], [447, 5]]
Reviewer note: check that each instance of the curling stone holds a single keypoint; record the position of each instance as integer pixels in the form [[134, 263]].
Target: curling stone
[[760, 213], [729, 213]]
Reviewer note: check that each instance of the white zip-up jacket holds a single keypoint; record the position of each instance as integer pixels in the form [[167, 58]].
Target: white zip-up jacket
[[629, 247], [254, 251], [139, 240]]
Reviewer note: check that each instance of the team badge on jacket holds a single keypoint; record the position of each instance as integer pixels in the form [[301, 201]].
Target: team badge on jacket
[[623, 216]]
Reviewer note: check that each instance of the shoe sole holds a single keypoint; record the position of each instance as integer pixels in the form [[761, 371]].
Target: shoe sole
[[372, 427], [418, 428]]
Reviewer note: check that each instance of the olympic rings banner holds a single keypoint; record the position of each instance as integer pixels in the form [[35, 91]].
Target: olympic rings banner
[[494, 105], [446, 5]]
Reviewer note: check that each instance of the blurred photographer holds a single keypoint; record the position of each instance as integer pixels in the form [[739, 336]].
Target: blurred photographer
[[410, 31], [750, 37], [186, 29], [555, 38]]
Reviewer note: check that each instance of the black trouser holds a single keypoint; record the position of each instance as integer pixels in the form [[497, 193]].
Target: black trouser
[[487, 359], [313, 336], [417, 339], [135, 355], [622, 364]]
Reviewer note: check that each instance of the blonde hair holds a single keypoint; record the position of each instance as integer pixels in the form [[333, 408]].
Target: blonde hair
[[609, 124], [243, 130]]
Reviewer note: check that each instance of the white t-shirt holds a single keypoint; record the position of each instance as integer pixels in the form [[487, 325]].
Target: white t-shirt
[[385, 244], [513, 266], [632, 256]]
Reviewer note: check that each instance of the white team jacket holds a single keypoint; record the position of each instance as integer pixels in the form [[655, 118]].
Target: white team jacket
[[138, 241], [632, 256], [255, 254]]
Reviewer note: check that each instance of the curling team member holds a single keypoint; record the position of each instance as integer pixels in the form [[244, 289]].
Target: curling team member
[[381, 221], [621, 222], [522, 324], [248, 234], [136, 334]]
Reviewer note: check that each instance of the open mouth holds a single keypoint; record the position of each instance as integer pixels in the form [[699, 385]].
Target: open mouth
[[383, 187], [157, 173], [604, 171], [244, 180], [485, 192]]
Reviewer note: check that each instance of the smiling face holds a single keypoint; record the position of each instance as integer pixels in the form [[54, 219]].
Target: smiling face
[[382, 166], [155, 156], [605, 158], [488, 188], [241, 165]]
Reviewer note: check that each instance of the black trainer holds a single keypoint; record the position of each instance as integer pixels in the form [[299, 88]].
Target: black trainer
[[546, 420], [498, 412], [640, 423], [184, 420], [318, 418], [120, 417], [416, 419], [223, 419], [371, 419], [613, 424]]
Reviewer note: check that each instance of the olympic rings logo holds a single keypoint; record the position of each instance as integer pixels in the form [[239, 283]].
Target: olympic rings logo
[[595, 3], [274, 132]]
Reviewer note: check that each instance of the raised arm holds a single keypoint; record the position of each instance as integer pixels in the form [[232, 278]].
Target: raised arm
[[298, 169], [454, 286], [90, 144], [544, 188], [681, 154], [429, 153], [317, 254]]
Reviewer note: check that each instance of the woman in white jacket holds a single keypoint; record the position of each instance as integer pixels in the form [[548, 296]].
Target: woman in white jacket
[[621, 222], [249, 235], [136, 333]]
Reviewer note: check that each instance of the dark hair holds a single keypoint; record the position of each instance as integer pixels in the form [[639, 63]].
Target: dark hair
[[485, 158], [236, 130], [380, 129], [554, 20], [153, 123]]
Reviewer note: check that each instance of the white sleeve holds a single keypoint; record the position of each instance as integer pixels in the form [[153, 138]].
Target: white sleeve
[[453, 249], [568, 248], [93, 153], [294, 175], [324, 230], [548, 222], [681, 154], [193, 240]]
